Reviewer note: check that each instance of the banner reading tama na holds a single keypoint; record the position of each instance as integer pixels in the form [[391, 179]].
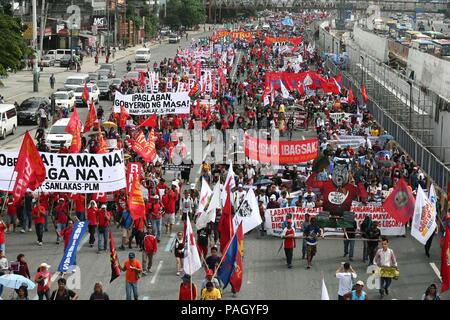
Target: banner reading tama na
[[150, 103], [387, 225], [74, 173]]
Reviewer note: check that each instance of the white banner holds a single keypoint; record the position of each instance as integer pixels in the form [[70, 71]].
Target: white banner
[[248, 213], [424, 219], [387, 225], [148, 103], [74, 173]]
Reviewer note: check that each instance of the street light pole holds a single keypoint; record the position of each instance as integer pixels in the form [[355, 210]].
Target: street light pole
[[410, 104], [35, 67], [362, 70]]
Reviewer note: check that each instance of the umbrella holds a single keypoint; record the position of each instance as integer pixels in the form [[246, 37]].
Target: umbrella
[[109, 124], [15, 281], [263, 182], [385, 137]]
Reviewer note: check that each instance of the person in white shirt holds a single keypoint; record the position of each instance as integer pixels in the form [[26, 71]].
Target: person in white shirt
[[345, 274], [283, 201], [385, 258], [187, 205], [239, 196]]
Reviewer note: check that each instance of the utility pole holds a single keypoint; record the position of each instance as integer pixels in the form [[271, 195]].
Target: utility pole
[[108, 22], [44, 13], [35, 68], [115, 24]]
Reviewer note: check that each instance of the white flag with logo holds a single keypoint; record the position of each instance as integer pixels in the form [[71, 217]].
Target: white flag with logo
[[205, 194], [212, 202], [325, 295], [229, 181], [192, 260], [284, 91], [248, 213], [424, 218]]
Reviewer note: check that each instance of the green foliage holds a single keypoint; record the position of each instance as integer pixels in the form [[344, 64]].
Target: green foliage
[[12, 45], [187, 13]]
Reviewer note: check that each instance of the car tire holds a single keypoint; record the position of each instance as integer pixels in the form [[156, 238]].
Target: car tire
[[13, 130], [3, 136]]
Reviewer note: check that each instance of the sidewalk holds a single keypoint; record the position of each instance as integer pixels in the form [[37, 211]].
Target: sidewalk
[[19, 86]]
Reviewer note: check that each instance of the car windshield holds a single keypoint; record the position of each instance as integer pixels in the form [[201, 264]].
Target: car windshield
[[27, 105], [66, 57], [106, 67], [58, 130], [79, 89], [141, 52], [132, 75], [103, 83], [61, 96], [46, 57], [74, 81]]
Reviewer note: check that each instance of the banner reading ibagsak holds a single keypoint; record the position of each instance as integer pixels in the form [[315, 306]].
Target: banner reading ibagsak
[[281, 152], [150, 103], [75, 173], [387, 225]]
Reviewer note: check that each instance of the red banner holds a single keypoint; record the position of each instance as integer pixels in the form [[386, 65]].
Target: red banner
[[74, 128], [142, 147], [136, 203], [297, 81], [242, 35], [281, 152], [283, 41]]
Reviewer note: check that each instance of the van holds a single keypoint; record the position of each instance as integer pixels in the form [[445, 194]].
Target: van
[[142, 55], [58, 135], [74, 82], [8, 120], [59, 53]]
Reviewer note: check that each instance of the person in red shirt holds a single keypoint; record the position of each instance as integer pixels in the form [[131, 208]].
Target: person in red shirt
[[103, 222], [66, 233], [61, 217], [188, 290], [80, 206], [169, 203], [2, 236], [12, 214], [156, 214], [288, 235], [92, 218], [44, 200], [44, 280], [137, 232], [39, 214], [150, 249]]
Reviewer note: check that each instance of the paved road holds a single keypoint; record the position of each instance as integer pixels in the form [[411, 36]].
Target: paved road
[[265, 272]]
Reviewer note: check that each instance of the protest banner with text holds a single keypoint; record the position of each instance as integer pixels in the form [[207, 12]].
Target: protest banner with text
[[150, 103]]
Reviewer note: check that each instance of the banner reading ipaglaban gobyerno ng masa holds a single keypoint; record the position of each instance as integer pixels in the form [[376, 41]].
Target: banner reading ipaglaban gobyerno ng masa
[[150, 103], [281, 152], [74, 173], [387, 225]]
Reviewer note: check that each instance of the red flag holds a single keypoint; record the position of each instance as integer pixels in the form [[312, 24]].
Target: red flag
[[91, 118], [124, 116], [445, 258], [195, 91], [142, 78], [74, 128], [350, 97], [198, 68], [115, 270], [236, 277], [225, 226], [213, 84], [400, 203], [140, 145], [363, 93], [151, 145], [102, 146], [29, 167], [85, 94], [136, 203], [151, 122]]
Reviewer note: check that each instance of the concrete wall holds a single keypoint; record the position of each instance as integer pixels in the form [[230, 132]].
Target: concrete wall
[[430, 71], [373, 44]]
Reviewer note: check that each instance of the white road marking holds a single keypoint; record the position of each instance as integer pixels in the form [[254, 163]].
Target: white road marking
[[157, 272], [169, 244], [303, 137], [83, 242], [436, 270], [145, 298]]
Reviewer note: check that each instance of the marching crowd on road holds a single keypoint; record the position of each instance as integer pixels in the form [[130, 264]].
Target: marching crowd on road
[[355, 155]]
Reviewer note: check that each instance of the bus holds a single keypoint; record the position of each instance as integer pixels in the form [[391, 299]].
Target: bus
[[423, 45], [435, 35], [442, 47]]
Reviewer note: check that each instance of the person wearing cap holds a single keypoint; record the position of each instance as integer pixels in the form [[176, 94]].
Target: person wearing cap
[[288, 235], [62, 293], [61, 217], [133, 269], [98, 293], [273, 204], [358, 293], [188, 290], [345, 274], [150, 249], [92, 213], [210, 292], [209, 277], [156, 211], [43, 279], [103, 220]]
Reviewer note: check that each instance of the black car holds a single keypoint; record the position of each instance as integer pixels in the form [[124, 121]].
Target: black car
[[109, 69], [105, 89], [27, 112], [65, 60]]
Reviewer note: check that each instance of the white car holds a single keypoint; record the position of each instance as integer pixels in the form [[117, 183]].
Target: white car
[[94, 93], [142, 55], [64, 99], [58, 135]]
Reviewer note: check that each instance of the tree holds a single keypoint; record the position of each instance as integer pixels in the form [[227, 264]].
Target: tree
[[187, 13], [12, 45]]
